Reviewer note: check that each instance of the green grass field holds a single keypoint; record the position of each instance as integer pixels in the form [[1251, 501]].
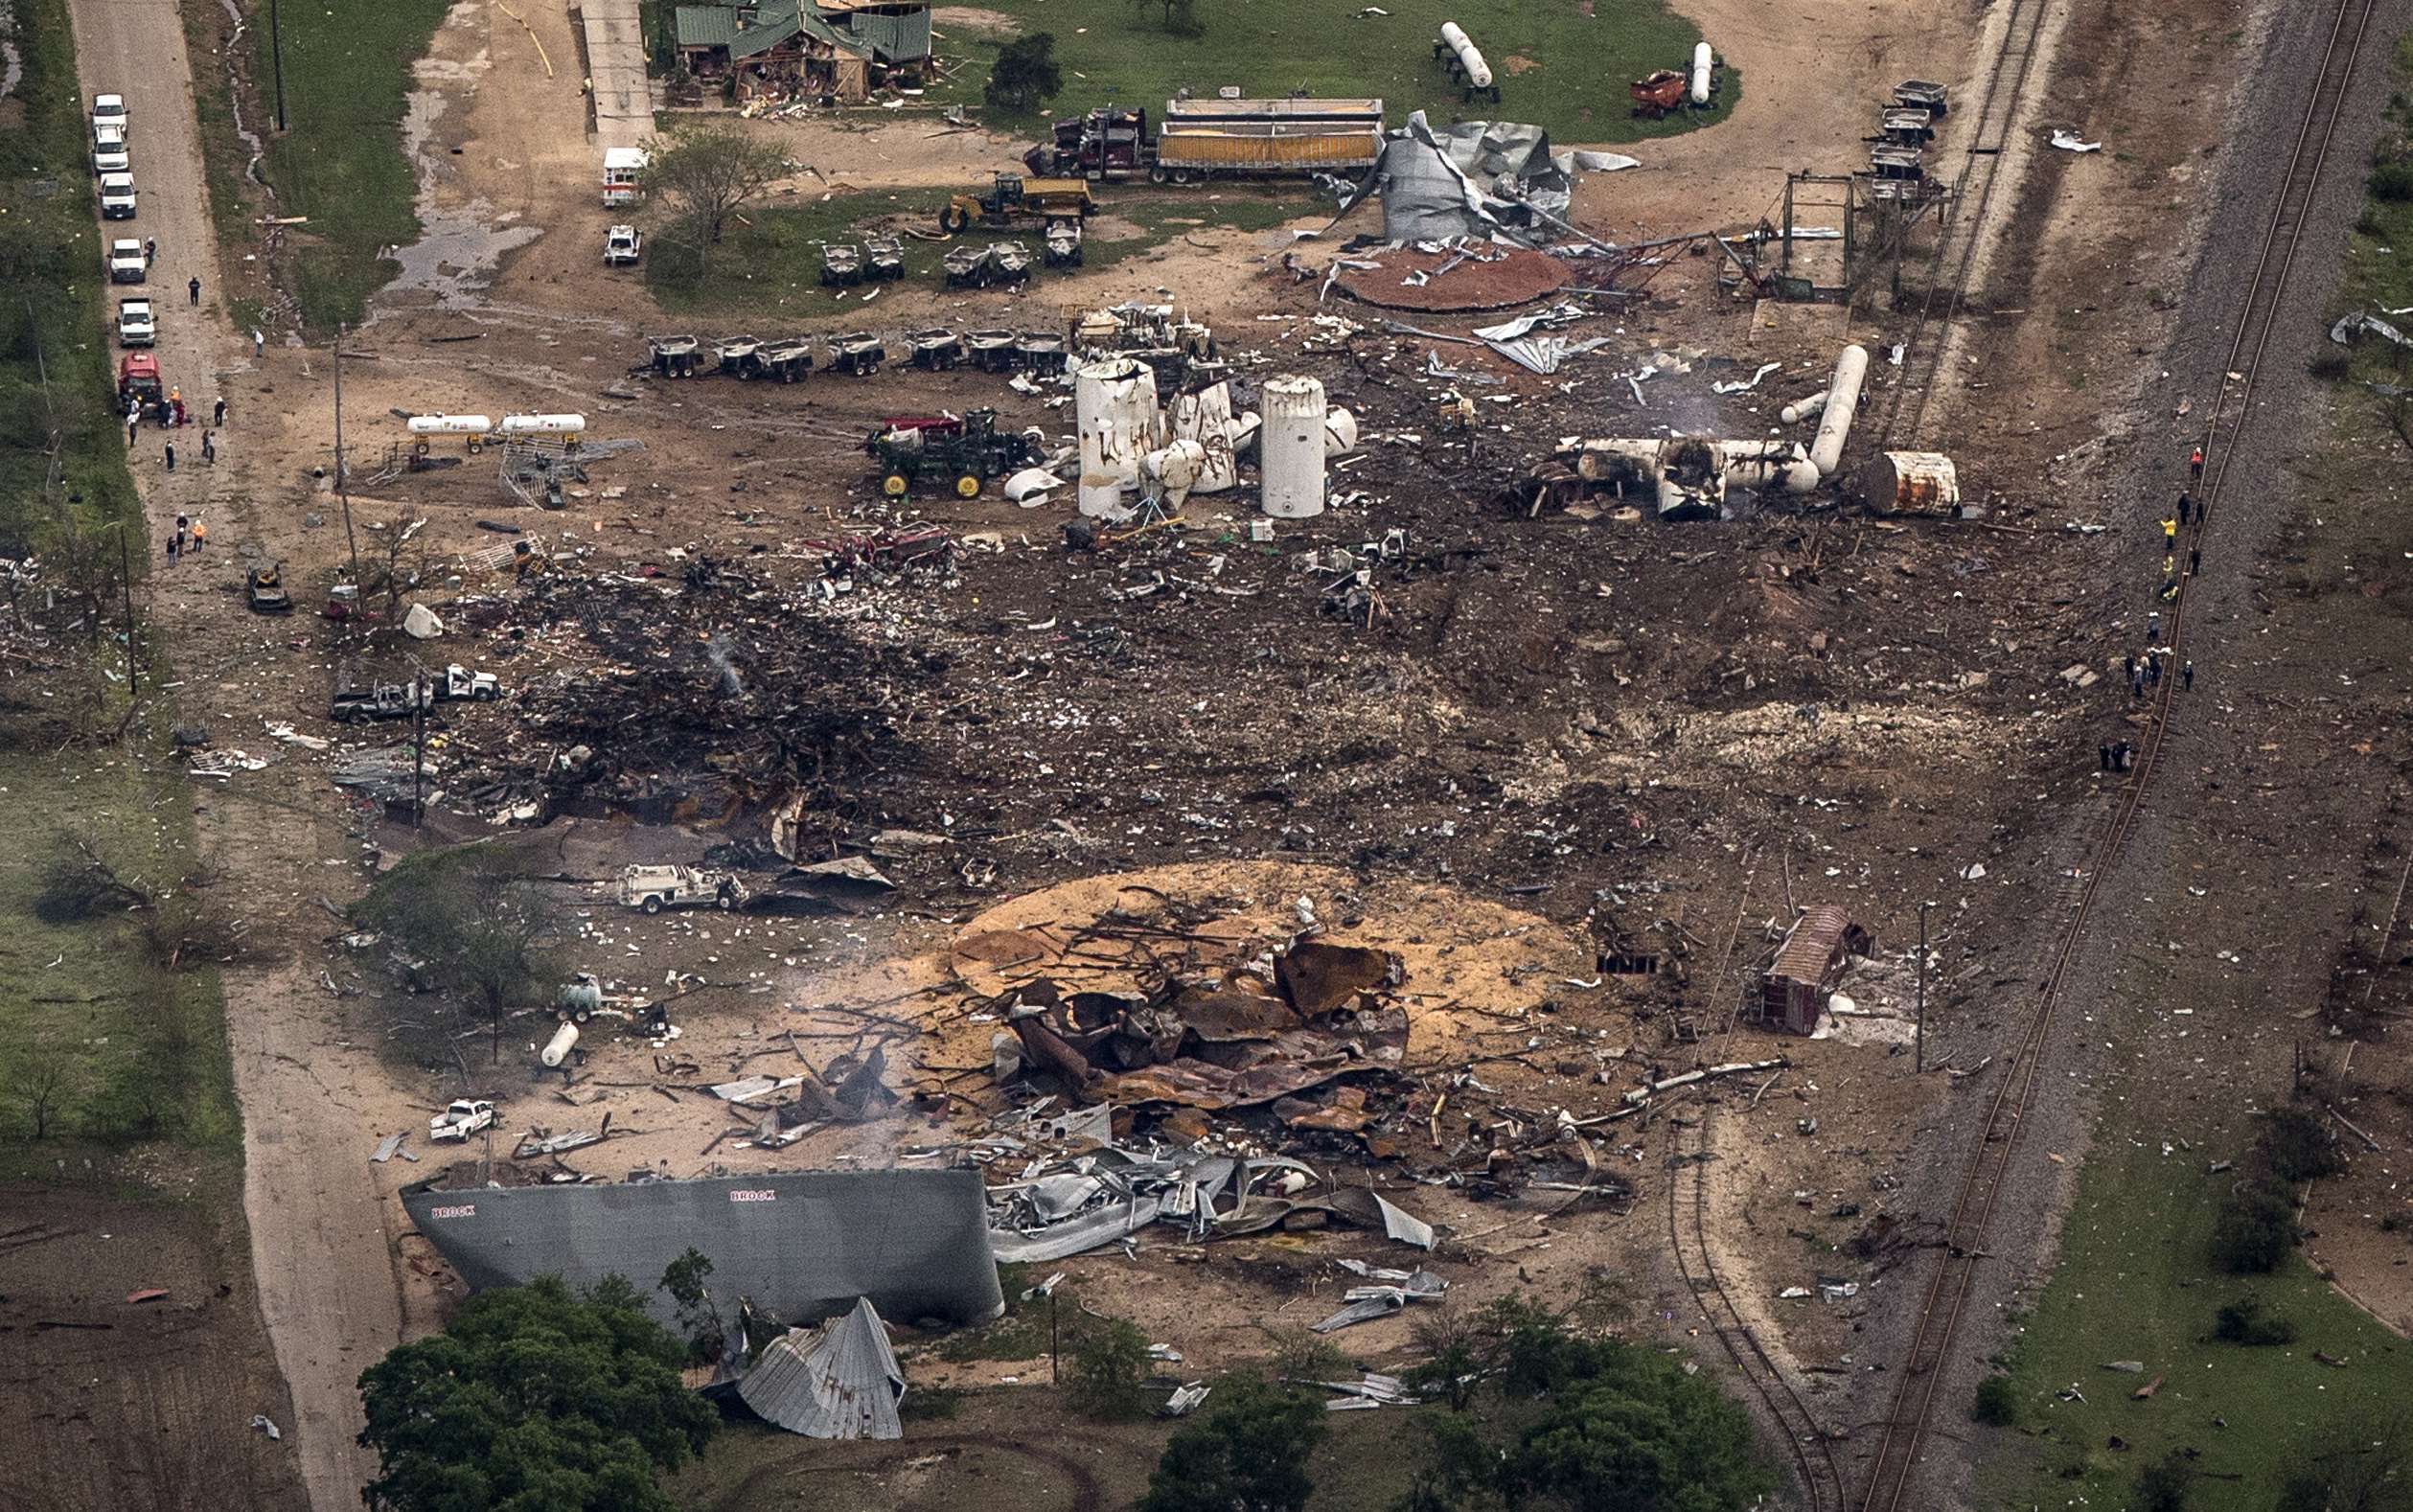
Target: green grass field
[[1561, 64], [2136, 1283], [340, 160], [770, 266]]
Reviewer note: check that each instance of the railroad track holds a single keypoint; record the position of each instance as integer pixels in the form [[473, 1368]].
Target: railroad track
[[1955, 256], [1891, 1476]]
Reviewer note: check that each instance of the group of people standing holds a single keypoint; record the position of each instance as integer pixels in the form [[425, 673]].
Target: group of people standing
[[2145, 670]]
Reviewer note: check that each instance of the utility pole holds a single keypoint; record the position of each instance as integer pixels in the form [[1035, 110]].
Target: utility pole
[[276, 52], [1918, 1054], [343, 482]]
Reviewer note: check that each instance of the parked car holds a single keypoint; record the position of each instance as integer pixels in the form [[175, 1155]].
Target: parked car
[[653, 888], [126, 261], [263, 590], [135, 328], [117, 197], [459, 682], [110, 109], [462, 1119], [109, 154], [622, 246]]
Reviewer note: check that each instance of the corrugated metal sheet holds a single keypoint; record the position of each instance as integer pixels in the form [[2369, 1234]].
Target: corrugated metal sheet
[[798, 1243], [705, 25], [837, 1382], [773, 25], [892, 39]]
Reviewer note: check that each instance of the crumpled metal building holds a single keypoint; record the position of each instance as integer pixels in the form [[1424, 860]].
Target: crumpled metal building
[[797, 1243], [1478, 178], [839, 1380]]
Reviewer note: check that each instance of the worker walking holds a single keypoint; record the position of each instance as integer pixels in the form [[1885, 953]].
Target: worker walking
[[192, 291], [209, 450], [134, 423], [2195, 561], [2187, 677], [2170, 527], [258, 341], [150, 252], [218, 413], [170, 452], [2185, 504], [175, 545], [2195, 464]]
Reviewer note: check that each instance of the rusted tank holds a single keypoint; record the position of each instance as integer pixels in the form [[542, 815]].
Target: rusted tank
[[1910, 482]]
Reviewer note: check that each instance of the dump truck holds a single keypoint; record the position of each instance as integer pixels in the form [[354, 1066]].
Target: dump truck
[[968, 448], [1197, 139], [653, 888], [1014, 197]]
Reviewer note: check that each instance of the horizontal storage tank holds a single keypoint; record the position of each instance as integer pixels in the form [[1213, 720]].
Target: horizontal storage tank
[[449, 425], [1289, 453], [1470, 59], [558, 1048], [1910, 482], [1802, 409], [1340, 430], [1843, 402], [543, 425], [1702, 59]]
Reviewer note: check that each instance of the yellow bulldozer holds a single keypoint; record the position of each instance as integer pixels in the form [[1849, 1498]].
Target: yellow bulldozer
[[1014, 198]]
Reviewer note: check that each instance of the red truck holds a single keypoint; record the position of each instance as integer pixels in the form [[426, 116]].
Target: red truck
[[1294, 138], [138, 382]]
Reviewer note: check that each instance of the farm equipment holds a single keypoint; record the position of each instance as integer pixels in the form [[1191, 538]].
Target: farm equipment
[[1919, 93], [966, 267], [1660, 92], [675, 356], [1014, 197], [1009, 262], [1061, 247], [935, 350], [841, 264], [967, 448], [858, 354], [1039, 352], [786, 361], [886, 255], [737, 355], [992, 350]]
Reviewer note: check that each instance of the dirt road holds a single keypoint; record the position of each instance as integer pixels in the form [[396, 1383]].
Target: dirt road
[[313, 1211]]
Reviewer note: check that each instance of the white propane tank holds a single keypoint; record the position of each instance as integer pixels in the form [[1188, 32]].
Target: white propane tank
[[1290, 454], [1843, 402], [544, 426], [1469, 57], [1802, 409], [558, 1048], [449, 425], [1205, 417], [1340, 430], [1702, 59], [1114, 406], [1176, 468]]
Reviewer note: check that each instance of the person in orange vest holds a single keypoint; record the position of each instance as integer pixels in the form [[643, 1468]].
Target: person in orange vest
[[2195, 464]]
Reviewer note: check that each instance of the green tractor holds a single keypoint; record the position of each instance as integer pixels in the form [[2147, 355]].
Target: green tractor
[[967, 449]]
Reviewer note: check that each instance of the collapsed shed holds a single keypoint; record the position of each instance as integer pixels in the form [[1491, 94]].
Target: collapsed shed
[[1792, 991], [799, 1243], [839, 1380]]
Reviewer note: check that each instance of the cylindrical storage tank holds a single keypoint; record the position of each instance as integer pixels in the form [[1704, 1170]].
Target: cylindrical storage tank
[[1114, 406], [1702, 59], [1843, 402], [1802, 409], [578, 999], [1290, 454], [1340, 432], [449, 425], [1205, 417], [1470, 57], [1177, 468], [1915, 482], [543, 425], [1801, 478], [558, 1048]]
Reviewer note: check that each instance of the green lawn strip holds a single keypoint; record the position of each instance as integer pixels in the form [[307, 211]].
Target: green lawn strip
[[2379, 272], [341, 162], [2136, 1283], [1557, 67], [770, 265], [224, 158]]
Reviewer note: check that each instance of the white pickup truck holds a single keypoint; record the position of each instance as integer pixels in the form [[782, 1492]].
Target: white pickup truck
[[125, 261], [653, 888], [108, 149], [134, 326], [117, 197], [461, 1120]]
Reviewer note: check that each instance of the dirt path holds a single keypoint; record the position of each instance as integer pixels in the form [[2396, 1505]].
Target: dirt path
[[318, 1247]]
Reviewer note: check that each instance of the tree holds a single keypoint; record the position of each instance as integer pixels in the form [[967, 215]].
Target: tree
[[1247, 1453], [473, 916], [1454, 1361], [699, 1320], [1107, 1360], [702, 174], [1024, 74], [1639, 1435], [2255, 1227], [534, 1398]]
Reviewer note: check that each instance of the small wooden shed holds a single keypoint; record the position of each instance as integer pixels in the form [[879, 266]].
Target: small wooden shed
[[1794, 989]]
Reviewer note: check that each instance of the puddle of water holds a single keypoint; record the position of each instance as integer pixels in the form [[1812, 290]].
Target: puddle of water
[[460, 243]]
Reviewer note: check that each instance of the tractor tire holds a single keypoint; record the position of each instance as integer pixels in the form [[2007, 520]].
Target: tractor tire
[[968, 485], [896, 485], [724, 902], [954, 219], [652, 903]]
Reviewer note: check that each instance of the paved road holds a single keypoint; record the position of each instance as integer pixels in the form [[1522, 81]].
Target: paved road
[[318, 1243], [615, 65]]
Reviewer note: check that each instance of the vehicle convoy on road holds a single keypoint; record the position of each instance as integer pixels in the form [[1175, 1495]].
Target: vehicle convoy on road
[[117, 197], [1199, 138], [653, 888], [109, 152]]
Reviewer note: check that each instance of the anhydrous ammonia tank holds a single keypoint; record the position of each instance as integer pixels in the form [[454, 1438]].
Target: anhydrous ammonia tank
[[1843, 402], [1702, 59], [1114, 406], [1802, 409], [1205, 417], [449, 425], [558, 1048], [1470, 57], [1290, 456], [1340, 430], [544, 426]]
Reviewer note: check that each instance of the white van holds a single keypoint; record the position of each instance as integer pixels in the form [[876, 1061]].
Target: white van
[[117, 197]]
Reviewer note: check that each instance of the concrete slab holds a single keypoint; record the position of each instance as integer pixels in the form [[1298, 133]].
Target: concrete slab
[[615, 69]]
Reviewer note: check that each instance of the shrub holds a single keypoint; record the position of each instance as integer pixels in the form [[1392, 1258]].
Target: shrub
[[2255, 1227], [2393, 182], [2300, 1146], [1247, 1453], [1997, 1402], [1109, 1359], [2244, 1322], [2163, 1487], [2328, 364]]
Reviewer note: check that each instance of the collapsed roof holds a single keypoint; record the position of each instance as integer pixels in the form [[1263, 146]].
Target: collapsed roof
[[1484, 179], [801, 1243], [839, 1380]]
